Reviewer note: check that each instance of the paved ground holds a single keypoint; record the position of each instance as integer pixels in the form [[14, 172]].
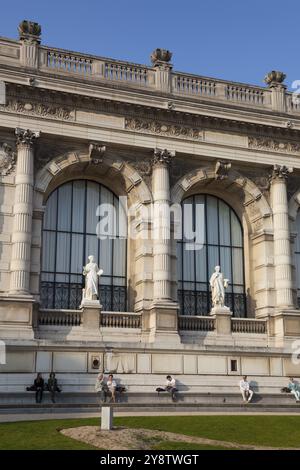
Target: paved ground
[[13, 417]]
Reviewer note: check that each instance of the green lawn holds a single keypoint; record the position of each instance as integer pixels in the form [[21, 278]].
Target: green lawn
[[275, 431]]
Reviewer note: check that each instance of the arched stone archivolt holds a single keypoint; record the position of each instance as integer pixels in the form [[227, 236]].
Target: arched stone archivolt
[[251, 204], [117, 175], [124, 179]]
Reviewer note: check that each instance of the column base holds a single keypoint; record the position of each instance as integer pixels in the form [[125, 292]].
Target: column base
[[285, 323], [17, 316], [160, 323]]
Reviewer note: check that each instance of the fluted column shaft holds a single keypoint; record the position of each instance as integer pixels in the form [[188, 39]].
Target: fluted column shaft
[[282, 249], [161, 227], [22, 225]]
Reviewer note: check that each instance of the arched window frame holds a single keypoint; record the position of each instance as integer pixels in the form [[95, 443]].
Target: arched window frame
[[198, 302], [113, 294]]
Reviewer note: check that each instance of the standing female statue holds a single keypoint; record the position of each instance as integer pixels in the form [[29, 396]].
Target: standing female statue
[[91, 272], [218, 285]]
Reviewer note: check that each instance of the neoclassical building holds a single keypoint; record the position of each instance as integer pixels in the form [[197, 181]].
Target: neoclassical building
[[205, 173]]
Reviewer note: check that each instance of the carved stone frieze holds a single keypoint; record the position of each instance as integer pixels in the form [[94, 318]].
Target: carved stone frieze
[[38, 109], [265, 143], [170, 130]]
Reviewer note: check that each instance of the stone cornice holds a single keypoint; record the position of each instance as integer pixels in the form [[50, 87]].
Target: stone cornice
[[151, 99], [41, 103]]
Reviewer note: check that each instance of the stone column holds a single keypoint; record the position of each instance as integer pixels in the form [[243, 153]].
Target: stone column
[[282, 249], [161, 323], [161, 226], [21, 237]]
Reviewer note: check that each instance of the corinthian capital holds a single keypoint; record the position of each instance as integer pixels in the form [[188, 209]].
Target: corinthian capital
[[26, 136], [162, 157], [280, 172]]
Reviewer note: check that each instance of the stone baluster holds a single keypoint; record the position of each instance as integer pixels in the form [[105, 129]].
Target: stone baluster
[[282, 251], [161, 225], [21, 237]]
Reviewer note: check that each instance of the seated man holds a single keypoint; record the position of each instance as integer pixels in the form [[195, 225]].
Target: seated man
[[52, 386], [101, 387], [247, 393], [294, 388], [171, 386]]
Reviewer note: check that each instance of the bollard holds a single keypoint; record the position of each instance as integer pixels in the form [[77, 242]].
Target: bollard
[[107, 418]]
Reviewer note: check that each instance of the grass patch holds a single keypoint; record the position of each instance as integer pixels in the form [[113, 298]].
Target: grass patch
[[274, 431]]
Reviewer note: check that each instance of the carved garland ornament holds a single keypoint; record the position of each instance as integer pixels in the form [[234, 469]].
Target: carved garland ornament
[[38, 109], [7, 159], [155, 127]]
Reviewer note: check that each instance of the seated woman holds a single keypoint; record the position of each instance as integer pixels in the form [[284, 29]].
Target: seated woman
[[111, 385]]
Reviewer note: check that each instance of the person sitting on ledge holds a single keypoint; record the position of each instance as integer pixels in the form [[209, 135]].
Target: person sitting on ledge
[[37, 387], [247, 393], [52, 386], [111, 385], [294, 388], [101, 387], [171, 386]]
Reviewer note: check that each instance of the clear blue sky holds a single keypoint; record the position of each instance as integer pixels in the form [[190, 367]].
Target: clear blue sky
[[232, 39]]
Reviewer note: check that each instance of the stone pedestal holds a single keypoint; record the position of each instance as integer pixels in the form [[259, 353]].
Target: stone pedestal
[[223, 320], [107, 418], [91, 310]]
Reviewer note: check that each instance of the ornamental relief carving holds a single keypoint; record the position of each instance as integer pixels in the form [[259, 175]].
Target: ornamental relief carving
[[39, 109], [7, 159], [156, 127], [265, 143]]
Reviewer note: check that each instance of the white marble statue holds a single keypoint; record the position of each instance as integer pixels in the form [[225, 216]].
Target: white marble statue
[[218, 285], [91, 272]]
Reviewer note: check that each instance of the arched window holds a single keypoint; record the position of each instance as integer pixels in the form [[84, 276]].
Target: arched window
[[297, 257], [69, 237], [212, 236]]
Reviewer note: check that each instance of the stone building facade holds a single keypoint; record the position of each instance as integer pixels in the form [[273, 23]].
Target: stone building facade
[[78, 131]]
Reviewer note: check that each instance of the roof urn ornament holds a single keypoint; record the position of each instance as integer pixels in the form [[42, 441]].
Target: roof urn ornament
[[30, 31], [275, 77], [161, 57]]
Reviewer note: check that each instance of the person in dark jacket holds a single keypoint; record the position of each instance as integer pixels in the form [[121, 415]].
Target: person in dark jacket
[[39, 388], [52, 386]]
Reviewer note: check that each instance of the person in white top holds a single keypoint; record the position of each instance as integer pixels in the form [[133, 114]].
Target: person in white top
[[171, 386], [247, 393], [111, 385]]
